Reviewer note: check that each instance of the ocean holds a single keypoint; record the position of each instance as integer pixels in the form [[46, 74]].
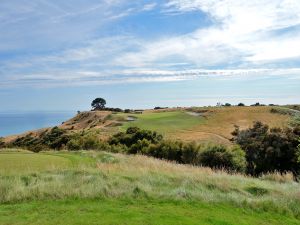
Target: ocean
[[19, 122]]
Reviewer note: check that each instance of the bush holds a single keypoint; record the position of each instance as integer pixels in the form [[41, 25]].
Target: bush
[[133, 135], [170, 150], [190, 153], [74, 145], [56, 138], [220, 157], [269, 150], [139, 147], [2, 143], [38, 148], [25, 142]]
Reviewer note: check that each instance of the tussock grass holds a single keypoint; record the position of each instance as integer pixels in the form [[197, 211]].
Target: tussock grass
[[279, 177], [105, 175]]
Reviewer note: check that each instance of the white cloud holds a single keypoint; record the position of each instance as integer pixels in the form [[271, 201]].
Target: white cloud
[[85, 77], [149, 7], [242, 32], [251, 28]]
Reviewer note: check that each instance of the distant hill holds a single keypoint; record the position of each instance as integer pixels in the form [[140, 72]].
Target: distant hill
[[203, 124]]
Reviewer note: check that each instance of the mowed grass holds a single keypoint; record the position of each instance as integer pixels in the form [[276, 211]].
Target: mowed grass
[[165, 122], [134, 212], [18, 162], [106, 188]]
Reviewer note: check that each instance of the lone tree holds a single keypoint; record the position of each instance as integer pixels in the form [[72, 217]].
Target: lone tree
[[98, 104]]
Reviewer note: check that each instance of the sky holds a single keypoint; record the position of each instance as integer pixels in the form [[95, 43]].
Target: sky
[[60, 55]]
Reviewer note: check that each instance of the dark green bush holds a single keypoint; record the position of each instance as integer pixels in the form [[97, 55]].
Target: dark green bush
[[190, 153], [269, 150], [139, 147], [220, 157], [38, 148], [133, 135], [56, 138], [170, 150], [74, 145], [2, 143]]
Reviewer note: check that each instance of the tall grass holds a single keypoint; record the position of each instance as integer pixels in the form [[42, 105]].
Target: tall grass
[[118, 176]]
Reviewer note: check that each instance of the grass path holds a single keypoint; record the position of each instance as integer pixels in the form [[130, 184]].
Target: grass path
[[134, 212]]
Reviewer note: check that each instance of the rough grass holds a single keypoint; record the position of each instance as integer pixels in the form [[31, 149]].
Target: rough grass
[[98, 175]]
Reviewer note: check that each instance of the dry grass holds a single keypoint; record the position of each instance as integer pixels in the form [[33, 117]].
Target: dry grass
[[220, 123], [278, 177]]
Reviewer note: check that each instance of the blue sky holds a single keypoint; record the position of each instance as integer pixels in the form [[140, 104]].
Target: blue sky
[[59, 55]]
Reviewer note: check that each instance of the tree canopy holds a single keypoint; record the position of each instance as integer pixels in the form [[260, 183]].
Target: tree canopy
[[98, 103]]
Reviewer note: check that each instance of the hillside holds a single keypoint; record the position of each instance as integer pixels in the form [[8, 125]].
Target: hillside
[[211, 124], [104, 188], [206, 124]]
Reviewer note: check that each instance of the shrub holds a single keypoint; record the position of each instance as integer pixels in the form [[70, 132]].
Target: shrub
[[190, 153], [295, 121], [118, 148], [170, 150], [74, 145], [90, 142], [2, 143], [25, 142], [139, 147], [38, 148], [56, 138], [220, 157], [133, 135], [269, 150]]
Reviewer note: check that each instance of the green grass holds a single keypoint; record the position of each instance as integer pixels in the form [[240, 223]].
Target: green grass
[[165, 122], [134, 212], [104, 188], [16, 162]]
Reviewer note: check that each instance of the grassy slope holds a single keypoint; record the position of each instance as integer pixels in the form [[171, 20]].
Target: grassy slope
[[216, 126], [102, 188]]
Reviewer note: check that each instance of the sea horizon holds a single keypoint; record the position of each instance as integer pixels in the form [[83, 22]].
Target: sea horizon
[[16, 122]]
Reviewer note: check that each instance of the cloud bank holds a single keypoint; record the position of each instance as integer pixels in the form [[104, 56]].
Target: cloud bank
[[95, 42]]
